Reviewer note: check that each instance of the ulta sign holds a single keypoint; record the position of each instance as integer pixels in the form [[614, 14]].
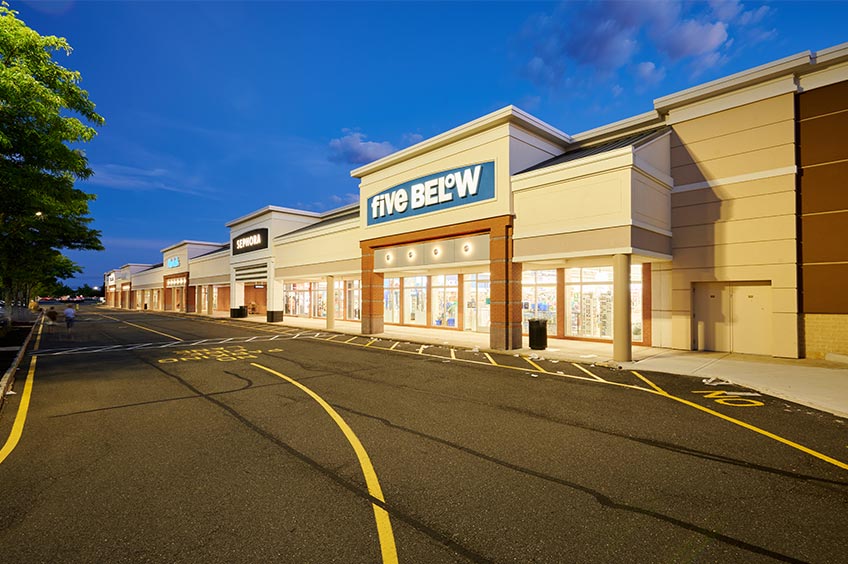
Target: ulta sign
[[442, 190]]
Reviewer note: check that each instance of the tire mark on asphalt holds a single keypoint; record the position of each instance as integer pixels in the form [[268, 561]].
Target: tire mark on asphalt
[[601, 498], [329, 473]]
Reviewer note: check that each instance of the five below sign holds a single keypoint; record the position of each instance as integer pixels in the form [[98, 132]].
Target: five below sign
[[438, 191]]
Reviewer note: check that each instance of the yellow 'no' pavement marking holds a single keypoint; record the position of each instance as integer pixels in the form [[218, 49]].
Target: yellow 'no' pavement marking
[[20, 418], [763, 432], [384, 525]]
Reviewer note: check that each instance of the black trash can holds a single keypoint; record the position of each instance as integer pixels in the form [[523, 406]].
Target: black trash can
[[238, 312], [538, 334]]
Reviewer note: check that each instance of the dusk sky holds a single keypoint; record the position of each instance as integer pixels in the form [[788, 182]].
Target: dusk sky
[[216, 109]]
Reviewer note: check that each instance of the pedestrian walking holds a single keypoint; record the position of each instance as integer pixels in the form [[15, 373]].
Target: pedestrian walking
[[70, 316]]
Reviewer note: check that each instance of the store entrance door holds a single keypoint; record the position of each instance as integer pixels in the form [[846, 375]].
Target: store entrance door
[[476, 296]]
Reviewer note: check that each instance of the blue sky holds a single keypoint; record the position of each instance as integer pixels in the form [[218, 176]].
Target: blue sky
[[216, 109]]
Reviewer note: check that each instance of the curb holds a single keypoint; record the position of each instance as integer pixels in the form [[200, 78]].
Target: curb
[[8, 379]]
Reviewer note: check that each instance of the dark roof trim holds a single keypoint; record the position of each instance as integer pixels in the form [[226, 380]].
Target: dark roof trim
[[634, 140]]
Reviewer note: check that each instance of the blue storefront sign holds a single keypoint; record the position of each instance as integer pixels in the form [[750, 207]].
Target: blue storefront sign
[[443, 190]]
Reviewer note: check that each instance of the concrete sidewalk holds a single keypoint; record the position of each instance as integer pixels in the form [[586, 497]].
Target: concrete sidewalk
[[818, 384]]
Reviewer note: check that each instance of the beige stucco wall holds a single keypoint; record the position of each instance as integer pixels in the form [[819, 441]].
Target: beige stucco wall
[[322, 250], [214, 269], [733, 215], [148, 279]]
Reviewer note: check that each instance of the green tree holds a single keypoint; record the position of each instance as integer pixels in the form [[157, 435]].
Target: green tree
[[41, 211]]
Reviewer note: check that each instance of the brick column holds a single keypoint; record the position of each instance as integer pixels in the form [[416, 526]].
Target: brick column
[[505, 324], [372, 294]]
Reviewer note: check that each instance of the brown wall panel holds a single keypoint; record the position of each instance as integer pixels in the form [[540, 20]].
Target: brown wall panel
[[825, 100], [823, 139], [825, 238], [825, 289], [824, 188]]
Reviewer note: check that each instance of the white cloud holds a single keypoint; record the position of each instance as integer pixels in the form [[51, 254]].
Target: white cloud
[[124, 177], [353, 149]]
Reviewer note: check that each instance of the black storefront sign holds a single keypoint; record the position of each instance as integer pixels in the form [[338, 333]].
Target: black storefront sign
[[250, 241]]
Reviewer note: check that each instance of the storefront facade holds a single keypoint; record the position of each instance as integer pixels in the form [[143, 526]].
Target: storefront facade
[[706, 223]]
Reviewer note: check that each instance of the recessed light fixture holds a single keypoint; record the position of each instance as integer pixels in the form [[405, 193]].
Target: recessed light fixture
[[410, 255], [388, 257], [466, 248], [436, 251]]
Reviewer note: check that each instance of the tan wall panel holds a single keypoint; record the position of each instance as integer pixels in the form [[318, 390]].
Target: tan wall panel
[[651, 203], [823, 139], [321, 269], [740, 231], [769, 135], [734, 190], [825, 238], [781, 275], [784, 335], [329, 247], [754, 160], [769, 205], [582, 241], [577, 205], [749, 116], [823, 188], [737, 254]]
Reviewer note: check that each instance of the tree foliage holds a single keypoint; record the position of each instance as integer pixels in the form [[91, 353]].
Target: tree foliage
[[44, 116]]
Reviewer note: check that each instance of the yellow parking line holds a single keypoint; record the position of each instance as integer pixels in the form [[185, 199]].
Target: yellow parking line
[[594, 376], [492, 360], [453, 354], [381, 516], [23, 408], [651, 384], [368, 344], [748, 426], [351, 339], [394, 345], [534, 365], [141, 327]]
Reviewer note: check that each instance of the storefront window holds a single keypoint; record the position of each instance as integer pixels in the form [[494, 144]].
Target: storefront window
[[589, 302], [298, 299], [538, 297], [477, 302], [319, 299], [353, 297], [391, 300], [445, 296], [415, 300]]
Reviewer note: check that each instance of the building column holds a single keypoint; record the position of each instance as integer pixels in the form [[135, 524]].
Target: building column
[[372, 294], [236, 294], [275, 295], [331, 302], [622, 345], [505, 279], [210, 299]]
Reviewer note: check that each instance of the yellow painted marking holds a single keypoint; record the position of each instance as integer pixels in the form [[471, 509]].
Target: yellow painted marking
[[394, 345], [142, 327], [421, 349], [648, 382], [20, 418], [368, 344], [331, 337], [453, 354], [594, 377], [38, 337], [491, 360], [750, 427], [534, 365], [381, 516], [351, 339]]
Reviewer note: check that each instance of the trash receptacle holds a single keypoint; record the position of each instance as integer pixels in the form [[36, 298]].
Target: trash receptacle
[[238, 312], [538, 334]]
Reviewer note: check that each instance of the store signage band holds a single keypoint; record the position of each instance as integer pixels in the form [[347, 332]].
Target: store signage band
[[250, 241], [443, 190]]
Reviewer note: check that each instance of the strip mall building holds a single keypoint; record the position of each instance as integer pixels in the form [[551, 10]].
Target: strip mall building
[[717, 221]]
